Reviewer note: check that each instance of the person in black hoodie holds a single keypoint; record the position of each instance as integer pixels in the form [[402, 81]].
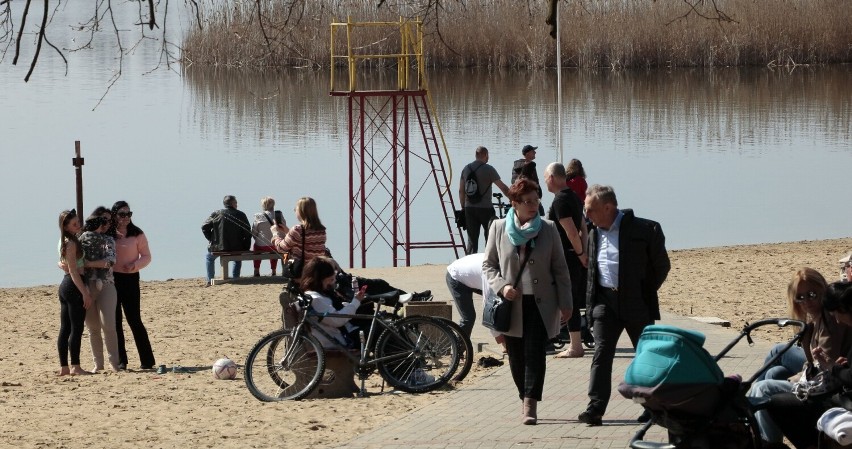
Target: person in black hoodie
[[226, 229], [797, 418]]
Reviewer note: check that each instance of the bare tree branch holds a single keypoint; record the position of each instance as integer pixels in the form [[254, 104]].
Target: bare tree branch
[[21, 33], [38, 44], [693, 8]]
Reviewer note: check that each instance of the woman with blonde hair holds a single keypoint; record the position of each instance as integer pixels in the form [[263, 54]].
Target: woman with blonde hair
[[261, 230], [805, 294], [305, 240]]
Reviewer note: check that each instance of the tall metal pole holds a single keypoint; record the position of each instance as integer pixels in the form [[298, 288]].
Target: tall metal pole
[[559, 87], [78, 169]]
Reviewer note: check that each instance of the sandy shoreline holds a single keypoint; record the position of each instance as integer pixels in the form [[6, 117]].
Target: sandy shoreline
[[192, 326]]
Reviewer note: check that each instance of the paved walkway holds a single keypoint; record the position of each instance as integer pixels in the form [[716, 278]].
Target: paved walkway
[[486, 414]]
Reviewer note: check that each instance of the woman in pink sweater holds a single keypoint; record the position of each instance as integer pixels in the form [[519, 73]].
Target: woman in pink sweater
[[307, 239], [131, 255]]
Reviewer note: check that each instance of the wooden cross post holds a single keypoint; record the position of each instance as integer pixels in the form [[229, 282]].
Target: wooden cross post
[[78, 164]]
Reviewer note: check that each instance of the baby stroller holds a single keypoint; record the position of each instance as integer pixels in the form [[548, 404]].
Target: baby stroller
[[682, 386]]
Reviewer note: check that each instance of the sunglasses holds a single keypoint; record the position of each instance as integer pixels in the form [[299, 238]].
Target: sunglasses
[[806, 296], [127, 214]]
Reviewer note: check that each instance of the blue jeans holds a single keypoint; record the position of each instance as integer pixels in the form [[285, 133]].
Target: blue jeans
[[769, 431], [211, 267], [792, 362], [463, 297]]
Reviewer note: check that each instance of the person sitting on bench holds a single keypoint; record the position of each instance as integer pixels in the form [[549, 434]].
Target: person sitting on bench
[[226, 229]]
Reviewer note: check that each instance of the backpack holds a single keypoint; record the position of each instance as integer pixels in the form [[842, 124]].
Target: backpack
[[471, 186]]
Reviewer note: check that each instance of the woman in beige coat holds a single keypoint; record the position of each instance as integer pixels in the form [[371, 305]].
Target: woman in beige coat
[[540, 295]]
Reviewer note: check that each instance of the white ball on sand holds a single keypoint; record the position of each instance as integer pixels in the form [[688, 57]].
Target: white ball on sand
[[224, 369]]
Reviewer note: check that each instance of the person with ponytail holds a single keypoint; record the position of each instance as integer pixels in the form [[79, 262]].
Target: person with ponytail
[[74, 297]]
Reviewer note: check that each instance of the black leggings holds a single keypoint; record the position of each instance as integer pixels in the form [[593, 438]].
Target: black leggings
[[129, 299], [578, 290], [527, 356], [72, 317]]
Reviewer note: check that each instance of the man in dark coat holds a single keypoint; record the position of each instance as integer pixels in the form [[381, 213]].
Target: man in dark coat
[[226, 229], [627, 265]]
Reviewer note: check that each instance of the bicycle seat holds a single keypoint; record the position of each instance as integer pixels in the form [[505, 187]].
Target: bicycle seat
[[390, 298]]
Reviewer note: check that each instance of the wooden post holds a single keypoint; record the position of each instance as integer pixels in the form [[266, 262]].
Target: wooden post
[[78, 164]]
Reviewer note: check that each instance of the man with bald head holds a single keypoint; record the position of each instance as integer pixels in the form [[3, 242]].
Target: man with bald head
[[627, 265]]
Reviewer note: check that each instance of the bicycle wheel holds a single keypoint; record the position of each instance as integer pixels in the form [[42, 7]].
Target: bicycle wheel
[[466, 348], [418, 354], [281, 366]]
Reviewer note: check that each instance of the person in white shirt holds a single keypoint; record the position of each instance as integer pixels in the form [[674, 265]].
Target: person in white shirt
[[318, 281], [464, 278]]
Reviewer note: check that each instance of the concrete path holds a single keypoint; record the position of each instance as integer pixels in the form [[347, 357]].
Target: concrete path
[[486, 413]]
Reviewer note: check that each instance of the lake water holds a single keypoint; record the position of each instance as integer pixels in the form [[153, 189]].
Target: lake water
[[720, 157]]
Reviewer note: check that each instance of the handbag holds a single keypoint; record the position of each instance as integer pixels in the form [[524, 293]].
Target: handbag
[[292, 267], [816, 385], [497, 311]]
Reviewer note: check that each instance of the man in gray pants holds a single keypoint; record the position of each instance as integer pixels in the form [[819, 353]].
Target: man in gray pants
[[478, 210], [464, 278]]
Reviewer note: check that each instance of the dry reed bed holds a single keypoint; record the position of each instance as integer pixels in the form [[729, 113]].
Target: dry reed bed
[[511, 33]]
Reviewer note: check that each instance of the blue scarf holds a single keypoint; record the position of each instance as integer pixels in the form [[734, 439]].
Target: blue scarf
[[520, 235]]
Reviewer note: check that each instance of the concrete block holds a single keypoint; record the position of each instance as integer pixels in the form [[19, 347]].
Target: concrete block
[[712, 320], [429, 308]]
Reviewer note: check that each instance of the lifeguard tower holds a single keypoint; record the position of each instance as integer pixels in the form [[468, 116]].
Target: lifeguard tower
[[391, 170]]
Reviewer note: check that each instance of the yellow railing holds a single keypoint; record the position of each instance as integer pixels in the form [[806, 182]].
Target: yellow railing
[[409, 57]]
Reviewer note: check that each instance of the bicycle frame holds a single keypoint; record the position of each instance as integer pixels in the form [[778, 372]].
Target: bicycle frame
[[378, 323]]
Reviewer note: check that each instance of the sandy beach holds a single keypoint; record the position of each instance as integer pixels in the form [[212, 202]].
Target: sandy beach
[[192, 326]]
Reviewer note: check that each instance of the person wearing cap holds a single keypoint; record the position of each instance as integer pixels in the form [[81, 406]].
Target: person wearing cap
[[478, 214], [528, 151]]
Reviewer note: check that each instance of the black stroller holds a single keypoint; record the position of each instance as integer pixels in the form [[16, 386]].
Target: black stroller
[[685, 391]]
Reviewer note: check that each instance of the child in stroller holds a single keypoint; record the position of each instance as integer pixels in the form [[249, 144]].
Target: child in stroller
[[682, 386]]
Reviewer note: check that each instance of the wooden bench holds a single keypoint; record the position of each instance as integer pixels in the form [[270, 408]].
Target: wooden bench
[[233, 256]]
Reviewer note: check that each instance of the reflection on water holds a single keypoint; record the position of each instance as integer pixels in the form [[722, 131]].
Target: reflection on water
[[263, 109], [728, 110], [719, 157]]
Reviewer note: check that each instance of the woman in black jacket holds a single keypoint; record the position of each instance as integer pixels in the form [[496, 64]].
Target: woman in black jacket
[[798, 418]]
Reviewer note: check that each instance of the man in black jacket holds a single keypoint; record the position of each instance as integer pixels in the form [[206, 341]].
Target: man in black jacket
[[627, 265], [227, 229]]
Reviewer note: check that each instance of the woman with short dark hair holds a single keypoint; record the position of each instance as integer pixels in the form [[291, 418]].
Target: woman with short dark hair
[[100, 257], [524, 263]]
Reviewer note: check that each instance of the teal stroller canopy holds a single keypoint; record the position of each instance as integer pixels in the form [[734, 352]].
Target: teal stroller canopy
[[670, 355]]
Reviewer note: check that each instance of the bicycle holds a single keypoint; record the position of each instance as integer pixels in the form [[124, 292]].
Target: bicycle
[[413, 354], [502, 208], [586, 336]]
